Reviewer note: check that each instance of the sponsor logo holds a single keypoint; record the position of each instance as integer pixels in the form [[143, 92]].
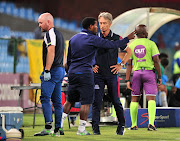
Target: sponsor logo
[[140, 51], [145, 115], [159, 118]]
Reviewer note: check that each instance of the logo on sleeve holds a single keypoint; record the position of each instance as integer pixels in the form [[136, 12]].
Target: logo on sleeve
[[140, 51]]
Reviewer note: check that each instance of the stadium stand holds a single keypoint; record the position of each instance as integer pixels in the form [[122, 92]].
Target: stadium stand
[[170, 33], [7, 59], [29, 14], [21, 21]]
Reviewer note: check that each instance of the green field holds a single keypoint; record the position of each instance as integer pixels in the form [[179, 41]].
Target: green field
[[107, 133]]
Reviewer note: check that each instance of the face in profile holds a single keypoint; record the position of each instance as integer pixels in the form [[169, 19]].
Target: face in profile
[[43, 24], [94, 28]]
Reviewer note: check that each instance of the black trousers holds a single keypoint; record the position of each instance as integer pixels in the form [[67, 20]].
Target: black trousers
[[112, 85]]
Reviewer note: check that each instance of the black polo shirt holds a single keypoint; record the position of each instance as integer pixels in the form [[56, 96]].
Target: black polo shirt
[[107, 57], [54, 37]]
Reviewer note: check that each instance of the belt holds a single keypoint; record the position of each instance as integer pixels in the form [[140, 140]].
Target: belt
[[143, 68]]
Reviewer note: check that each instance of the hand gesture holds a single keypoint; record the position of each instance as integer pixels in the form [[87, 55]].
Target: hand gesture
[[131, 35], [95, 69], [116, 68]]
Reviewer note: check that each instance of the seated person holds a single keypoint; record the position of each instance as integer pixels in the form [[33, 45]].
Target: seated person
[[161, 97], [174, 97]]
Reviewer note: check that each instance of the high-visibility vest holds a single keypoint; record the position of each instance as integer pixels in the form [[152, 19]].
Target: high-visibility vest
[[176, 63]]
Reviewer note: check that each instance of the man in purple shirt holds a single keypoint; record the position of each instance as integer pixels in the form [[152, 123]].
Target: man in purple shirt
[[81, 58]]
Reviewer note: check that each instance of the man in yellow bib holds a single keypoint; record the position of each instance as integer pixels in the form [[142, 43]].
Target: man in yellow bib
[[145, 58]]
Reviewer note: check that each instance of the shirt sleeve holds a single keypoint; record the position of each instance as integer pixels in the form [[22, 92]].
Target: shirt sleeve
[[155, 50], [104, 43], [123, 47], [69, 55], [130, 46], [50, 38]]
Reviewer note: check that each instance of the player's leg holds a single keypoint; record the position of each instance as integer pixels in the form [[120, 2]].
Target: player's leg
[[151, 112], [150, 88], [86, 91], [73, 96], [57, 75], [66, 109], [134, 111], [112, 84], [136, 86], [96, 106], [47, 88], [84, 110]]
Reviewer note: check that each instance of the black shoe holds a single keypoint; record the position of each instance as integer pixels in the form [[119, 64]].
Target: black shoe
[[61, 131], [120, 130], [97, 133], [133, 128], [44, 132], [151, 128], [57, 132], [96, 130]]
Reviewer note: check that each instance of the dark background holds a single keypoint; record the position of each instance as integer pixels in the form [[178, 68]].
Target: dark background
[[78, 9]]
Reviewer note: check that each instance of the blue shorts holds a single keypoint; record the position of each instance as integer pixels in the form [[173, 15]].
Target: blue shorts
[[81, 88]]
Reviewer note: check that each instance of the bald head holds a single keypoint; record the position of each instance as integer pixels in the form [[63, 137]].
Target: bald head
[[141, 31], [46, 21]]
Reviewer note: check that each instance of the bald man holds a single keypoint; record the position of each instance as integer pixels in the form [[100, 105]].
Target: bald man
[[145, 58], [52, 75]]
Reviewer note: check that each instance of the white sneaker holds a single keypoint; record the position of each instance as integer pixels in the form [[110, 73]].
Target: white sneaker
[[44, 132], [88, 124], [83, 133]]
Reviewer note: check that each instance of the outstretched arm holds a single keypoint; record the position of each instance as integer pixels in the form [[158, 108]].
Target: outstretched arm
[[104, 43]]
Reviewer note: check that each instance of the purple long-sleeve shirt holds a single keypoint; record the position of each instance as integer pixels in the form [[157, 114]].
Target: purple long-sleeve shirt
[[82, 50]]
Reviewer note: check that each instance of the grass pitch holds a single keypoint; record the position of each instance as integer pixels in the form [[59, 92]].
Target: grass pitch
[[108, 133]]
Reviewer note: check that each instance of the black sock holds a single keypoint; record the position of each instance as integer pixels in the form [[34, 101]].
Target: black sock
[[48, 125]]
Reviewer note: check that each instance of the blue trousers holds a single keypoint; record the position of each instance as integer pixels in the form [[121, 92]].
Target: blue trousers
[[51, 91], [112, 85]]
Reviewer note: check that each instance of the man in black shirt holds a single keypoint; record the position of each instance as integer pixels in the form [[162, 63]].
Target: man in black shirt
[[52, 75], [105, 75]]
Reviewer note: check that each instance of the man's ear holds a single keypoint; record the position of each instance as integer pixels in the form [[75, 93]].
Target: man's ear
[[49, 22], [110, 23], [90, 27]]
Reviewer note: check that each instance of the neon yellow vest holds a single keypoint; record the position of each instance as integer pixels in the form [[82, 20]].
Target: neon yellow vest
[[176, 67]]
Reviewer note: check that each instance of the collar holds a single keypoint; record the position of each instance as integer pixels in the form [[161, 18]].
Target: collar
[[87, 31], [51, 28], [109, 35]]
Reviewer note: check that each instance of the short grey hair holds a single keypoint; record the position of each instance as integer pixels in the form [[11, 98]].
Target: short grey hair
[[106, 15]]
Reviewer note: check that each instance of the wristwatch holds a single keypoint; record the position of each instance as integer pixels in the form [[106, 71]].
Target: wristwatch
[[46, 71], [127, 81], [122, 64], [159, 77]]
